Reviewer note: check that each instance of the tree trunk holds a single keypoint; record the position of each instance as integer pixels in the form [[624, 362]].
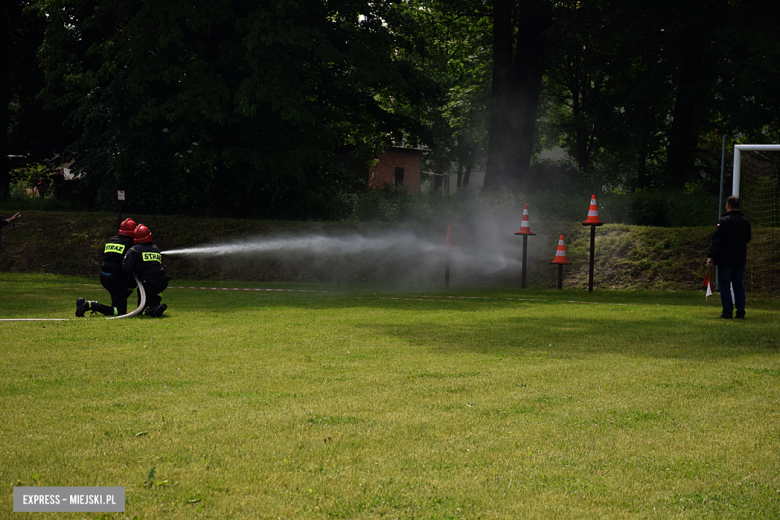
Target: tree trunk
[[698, 33], [438, 179], [5, 170], [683, 136], [517, 82], [7, 66]]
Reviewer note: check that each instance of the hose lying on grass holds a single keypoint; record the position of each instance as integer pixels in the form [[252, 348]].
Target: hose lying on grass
[[129, 315], [140, 305]]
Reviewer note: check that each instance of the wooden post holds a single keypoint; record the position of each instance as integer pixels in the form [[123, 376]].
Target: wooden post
[[525, 258], [592, 257], [560, 276], [525, 236], [448, 241], [592, 252]]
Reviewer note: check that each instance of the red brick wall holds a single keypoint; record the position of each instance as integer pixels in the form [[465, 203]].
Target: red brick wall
[[384, 170]]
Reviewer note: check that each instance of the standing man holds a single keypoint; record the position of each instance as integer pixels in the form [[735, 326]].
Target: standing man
[[145, 260], [4, 222], [118, 284], [729, 252]]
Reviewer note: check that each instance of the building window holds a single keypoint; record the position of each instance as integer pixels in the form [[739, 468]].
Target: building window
[[399, 176]]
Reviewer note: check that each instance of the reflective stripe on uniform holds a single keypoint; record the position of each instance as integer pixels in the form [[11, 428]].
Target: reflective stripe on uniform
[[151, 257], [114, 248]]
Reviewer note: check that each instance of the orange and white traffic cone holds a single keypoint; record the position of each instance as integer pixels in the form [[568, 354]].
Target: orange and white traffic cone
[[593, 214], [560, 254], [525, 225], [448, 238]]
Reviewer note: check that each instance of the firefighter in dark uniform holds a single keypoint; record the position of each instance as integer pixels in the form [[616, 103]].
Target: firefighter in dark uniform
[[144, 259], [118, 284]]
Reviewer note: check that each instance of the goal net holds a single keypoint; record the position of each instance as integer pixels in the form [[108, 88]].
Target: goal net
[[758, 186]]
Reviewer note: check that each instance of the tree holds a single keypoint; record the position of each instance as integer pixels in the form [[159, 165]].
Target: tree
[[519, 47], [452, 45], [31, 133], [233, 107]]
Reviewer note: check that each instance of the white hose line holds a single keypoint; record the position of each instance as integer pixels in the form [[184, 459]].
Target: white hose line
[[140, 305], [139, 309], [37, 319]]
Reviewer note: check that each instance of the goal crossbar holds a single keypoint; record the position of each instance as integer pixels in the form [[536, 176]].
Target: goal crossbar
[[737, 160]]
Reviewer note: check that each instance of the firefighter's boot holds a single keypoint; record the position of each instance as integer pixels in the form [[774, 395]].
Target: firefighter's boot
[[82, 306]]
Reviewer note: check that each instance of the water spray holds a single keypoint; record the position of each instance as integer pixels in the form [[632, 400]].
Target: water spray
[[318, 244]]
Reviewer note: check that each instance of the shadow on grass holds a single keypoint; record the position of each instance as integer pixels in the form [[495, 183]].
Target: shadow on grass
[[497, 322], [695, 338]]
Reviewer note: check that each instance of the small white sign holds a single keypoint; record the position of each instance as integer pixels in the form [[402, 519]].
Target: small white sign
[[120, 195]]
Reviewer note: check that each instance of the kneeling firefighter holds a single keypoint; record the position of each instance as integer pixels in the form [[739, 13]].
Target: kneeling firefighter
[[144, 259], [118, 284]]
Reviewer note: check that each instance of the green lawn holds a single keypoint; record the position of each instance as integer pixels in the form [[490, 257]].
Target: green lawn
[[364, 403]]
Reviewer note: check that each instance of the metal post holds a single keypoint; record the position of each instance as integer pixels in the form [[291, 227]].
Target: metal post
[[522, 275], [722, 168], [737, 166], [592, 257], [448, 241], [735, 173]]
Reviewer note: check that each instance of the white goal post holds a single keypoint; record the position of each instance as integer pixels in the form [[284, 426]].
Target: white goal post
[[737, 161]]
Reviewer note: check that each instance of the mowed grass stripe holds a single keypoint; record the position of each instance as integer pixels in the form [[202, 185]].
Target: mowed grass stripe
[[322, 405]]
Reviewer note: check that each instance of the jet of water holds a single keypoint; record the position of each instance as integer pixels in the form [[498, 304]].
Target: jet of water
[[318, 244]]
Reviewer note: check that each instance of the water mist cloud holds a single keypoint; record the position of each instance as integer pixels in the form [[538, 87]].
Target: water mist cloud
[[483, 246]]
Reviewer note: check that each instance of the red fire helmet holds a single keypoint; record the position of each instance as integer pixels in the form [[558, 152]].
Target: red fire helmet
[[142, 234], [127, 227]]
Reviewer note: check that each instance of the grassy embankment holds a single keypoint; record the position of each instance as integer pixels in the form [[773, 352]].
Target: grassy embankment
[[359, 405], [626, 256]]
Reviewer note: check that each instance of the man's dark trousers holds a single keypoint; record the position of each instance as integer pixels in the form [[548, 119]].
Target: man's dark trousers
[[153, 288], [728, 276], [117, 286]]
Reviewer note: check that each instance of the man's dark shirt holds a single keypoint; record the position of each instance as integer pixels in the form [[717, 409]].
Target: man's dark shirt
[[729, 243], [144, 260], [114, 253]]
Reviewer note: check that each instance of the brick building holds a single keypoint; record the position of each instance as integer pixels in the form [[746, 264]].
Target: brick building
[[396, 167]]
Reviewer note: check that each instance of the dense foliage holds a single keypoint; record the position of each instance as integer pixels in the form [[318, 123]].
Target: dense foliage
[[276, 108], [228, 106]]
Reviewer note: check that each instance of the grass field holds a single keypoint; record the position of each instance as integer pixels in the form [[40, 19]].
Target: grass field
[[372, 404]]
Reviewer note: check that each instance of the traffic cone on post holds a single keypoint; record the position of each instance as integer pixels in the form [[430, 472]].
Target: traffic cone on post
[[560, 260], [525, 224], [525, 231], [592, 221], [448, 240], [593, 214]]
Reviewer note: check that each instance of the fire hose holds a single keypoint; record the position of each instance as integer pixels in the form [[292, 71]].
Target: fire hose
[[129, 315], [140, 305]]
